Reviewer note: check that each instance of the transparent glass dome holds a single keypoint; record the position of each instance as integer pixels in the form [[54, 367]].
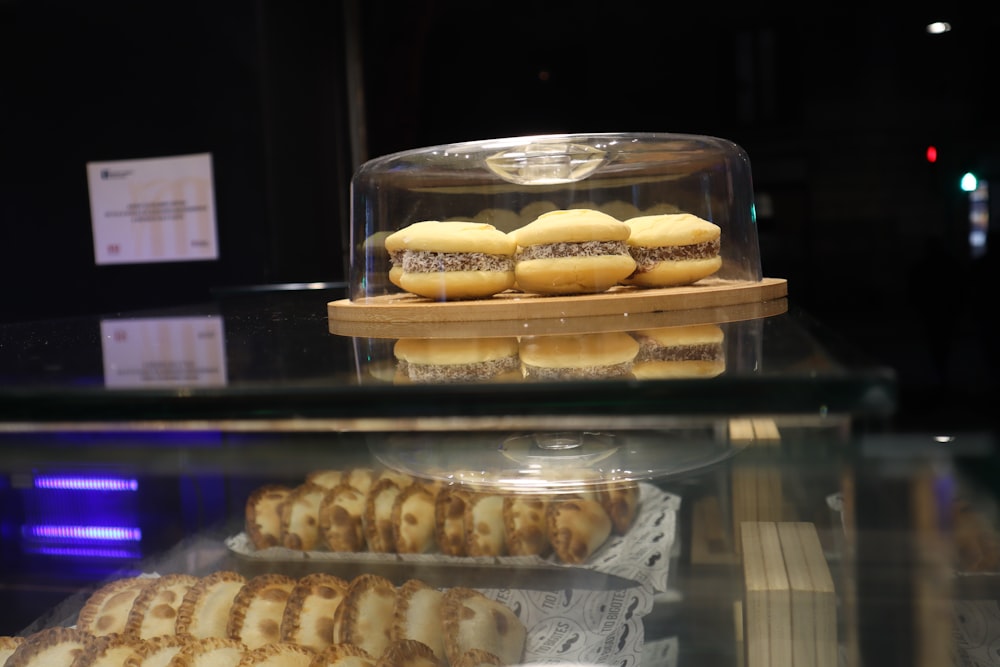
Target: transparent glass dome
[[511, 181]]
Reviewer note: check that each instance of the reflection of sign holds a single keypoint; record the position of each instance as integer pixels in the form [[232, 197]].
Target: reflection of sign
[[154, 210], [163, 352]]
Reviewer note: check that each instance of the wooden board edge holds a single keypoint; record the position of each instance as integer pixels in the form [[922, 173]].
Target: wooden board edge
[[618, 311]]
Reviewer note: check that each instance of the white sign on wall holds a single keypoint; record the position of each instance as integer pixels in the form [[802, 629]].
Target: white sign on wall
[[153, 210]]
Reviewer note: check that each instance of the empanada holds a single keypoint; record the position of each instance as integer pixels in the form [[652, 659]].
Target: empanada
[[343, 655], [204, 612], [413, 520], [449, 520], [417, 615], [7, 645], [525, 525], [378, 516], [308, 616], [325, 478], [263, 515], [300, 517], [107, 651], [341, 518], [255, 618], [365, 615], [278, 654], [51, 646], [107, 609], [154, 611], [477, 657], [484, 529], [470, 620], [577, 528], [157, 651], [408, 653], [210, 652], [620, 499]]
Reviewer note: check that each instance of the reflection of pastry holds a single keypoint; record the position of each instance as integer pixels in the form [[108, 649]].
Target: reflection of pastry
[[448, 360], [525, 528], [472, 620], [586, 356], [451, 260], [672, 249], [531, 211], [154, 611], [107, 609], [660, 209], [573, 251], [263, 515], [417, 616], [694, 351], [341, 518], [308, 616], [365, 616], [51, 646], [623, 210], [449, 520], [503, 219], [413, 520], [484, 530], [577, 528], [204, 612], [258, 608]]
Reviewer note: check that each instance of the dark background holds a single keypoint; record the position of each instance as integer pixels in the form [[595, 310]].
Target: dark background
[[835, 110]]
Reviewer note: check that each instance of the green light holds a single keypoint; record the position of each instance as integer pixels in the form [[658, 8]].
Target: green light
[[969, 182]]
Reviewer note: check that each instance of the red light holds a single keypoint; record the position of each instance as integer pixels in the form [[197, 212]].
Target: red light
[[931, 154]]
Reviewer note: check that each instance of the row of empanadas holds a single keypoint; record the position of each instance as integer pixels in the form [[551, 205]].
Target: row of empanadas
[[386, 512], [72, 647], [314, 612]]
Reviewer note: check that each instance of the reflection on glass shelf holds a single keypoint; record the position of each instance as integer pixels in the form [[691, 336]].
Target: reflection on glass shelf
[[163, 352], [82, 515], [92, 483]]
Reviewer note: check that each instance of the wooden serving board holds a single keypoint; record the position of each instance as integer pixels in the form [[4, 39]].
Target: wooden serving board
[[714, 300]]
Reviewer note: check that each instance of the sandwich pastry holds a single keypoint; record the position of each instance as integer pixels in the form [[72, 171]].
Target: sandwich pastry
[[451, 260], [672, 249], [572, 251]]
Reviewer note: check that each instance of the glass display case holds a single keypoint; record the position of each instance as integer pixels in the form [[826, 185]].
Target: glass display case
[[603, 469], [774, 519]]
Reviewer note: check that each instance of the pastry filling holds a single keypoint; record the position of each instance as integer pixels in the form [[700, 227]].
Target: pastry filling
[[584, 249], [413, 261], [646, 258], [650, 350], [583, 372], [470, 372]]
